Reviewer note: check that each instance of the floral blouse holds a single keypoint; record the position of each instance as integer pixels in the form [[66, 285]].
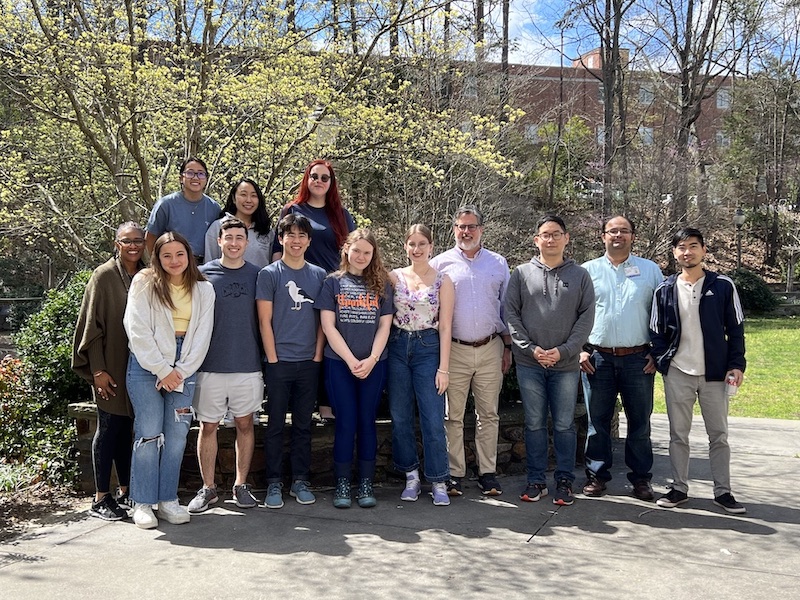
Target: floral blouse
[[416, 310]]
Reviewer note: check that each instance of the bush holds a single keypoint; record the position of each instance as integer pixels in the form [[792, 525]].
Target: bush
[[36, 434], [35, 445], [754, 293], [44, 344]]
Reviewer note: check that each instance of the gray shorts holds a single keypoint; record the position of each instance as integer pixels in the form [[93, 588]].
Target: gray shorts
[[216, 393]]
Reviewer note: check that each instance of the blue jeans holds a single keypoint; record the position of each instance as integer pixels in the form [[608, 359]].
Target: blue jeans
[[623, 375], [544, 390], [355, 404], [413, 360], [290, 385], [159, 429]]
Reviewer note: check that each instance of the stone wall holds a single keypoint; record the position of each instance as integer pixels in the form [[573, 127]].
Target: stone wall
[[510, 459]]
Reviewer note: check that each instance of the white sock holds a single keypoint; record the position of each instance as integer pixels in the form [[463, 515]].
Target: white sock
[[411, 475]]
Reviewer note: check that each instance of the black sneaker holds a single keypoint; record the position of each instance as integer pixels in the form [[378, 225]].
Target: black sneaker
[[489, 485], [533, 492], [124, 500], [729, 503], [454, 487], [563, 495], [672, 499], [107, 509]]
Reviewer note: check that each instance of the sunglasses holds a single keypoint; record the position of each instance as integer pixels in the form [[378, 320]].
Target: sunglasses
[[322, 178]]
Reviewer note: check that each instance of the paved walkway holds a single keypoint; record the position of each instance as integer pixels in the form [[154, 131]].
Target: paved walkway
[[606, 547]]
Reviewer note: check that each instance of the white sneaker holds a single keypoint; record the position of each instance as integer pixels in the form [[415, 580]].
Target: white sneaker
[[173, 512], [143, 516]]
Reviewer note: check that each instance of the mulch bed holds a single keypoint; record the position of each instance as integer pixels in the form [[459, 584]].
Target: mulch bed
[[37, 506]]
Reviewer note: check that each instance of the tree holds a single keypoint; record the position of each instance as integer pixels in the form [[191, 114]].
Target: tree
[[118, 94]]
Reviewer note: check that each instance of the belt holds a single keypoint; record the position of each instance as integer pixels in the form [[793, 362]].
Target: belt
[[477, 344], [622, 351]]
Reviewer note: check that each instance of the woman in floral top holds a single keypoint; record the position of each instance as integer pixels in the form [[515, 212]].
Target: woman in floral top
[[419, 364]]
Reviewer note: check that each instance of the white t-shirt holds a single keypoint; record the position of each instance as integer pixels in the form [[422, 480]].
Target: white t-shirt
[[690, 356]]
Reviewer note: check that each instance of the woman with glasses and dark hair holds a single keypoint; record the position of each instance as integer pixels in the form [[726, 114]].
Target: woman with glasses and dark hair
[[169, 319], [100, 356], [246, 203], [188, 211], [318, 200]]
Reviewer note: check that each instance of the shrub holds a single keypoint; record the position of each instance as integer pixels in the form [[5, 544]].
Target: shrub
[[754, 293], [36, 433], [34, 445], [44, 344]]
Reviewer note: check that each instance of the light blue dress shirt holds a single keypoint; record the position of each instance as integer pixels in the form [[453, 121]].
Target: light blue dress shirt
[[623, 298]]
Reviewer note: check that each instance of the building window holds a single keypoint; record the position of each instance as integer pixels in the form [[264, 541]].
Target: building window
[[646, 95], [471, 87], [601, 135], [722, 139], [601, 93], [723, 98], [646, 136], [532, 133]]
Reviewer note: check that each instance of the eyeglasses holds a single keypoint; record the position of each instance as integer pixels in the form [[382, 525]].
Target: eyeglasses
[[195, 175], [618, 232], [550, 236], [127, 242], [470, 227], [322, 178]]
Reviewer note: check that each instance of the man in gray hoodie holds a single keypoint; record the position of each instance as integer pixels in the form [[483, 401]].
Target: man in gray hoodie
[[549, 307]]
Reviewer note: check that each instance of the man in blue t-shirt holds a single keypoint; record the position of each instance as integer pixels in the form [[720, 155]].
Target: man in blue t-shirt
[[230, 377], [293, 343]]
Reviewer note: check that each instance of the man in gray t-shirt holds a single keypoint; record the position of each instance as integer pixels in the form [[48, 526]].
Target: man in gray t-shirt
[[292, 340], [230, 377]]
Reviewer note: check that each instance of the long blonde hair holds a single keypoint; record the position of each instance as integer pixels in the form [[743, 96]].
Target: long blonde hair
[[159, 279], [375, 273]]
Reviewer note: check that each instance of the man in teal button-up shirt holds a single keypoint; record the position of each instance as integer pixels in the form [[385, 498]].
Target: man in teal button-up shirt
[[620, 361]]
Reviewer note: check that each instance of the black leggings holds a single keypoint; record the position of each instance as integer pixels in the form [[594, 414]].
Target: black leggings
[[112, 444]]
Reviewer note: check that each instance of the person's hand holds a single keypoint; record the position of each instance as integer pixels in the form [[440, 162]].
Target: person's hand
[[506, 364], [547, 358], [170, 382], [104, 385], [738, 376], [650, 367], [364, 367], [442, 381], [586, 364]]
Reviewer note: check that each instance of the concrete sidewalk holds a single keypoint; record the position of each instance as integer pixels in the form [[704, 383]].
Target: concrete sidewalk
[[605, 547]]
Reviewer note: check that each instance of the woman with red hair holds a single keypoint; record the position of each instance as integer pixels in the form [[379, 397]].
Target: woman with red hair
[[318, 200]]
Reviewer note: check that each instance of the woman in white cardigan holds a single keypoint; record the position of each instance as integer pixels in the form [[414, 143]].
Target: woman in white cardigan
[[169, 318]]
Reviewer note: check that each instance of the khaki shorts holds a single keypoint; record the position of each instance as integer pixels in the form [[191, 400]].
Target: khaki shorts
[[216, 393]]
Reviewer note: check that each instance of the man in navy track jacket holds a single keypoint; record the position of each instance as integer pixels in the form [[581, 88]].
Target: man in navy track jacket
[[697, 331]]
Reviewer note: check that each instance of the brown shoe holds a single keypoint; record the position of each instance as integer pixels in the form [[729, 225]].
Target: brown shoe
[[643, 490], [594, 487]]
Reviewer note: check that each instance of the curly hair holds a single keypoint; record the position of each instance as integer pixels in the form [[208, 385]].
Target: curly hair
[[375, 274]]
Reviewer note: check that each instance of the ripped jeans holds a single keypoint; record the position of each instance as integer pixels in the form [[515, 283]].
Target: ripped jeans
[[160, 425]]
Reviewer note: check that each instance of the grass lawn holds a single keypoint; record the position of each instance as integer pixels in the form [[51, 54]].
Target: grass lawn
[[771, 387]]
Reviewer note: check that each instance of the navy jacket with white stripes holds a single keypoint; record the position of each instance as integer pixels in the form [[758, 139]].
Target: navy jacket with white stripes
[[721, 319]]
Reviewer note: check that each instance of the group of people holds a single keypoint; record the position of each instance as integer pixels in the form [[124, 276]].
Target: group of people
[[230, 305]]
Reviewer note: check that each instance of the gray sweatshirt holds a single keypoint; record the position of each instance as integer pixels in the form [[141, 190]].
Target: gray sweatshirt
[[550, 308]]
